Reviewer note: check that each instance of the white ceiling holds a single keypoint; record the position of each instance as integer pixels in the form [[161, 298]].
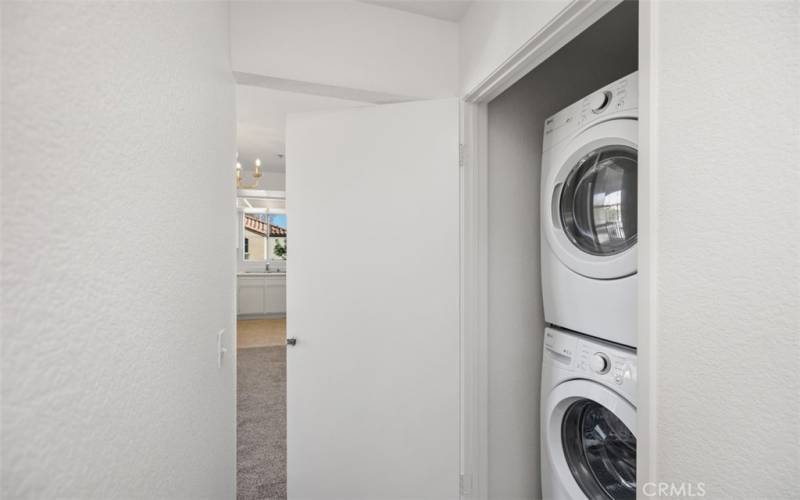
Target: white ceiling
[[261, 122], [448, 10], [261, 111]]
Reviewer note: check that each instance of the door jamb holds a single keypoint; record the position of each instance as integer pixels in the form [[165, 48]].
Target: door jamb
[[566, 25], [646, 414]]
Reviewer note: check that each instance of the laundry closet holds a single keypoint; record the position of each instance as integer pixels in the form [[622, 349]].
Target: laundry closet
[[603, 53]]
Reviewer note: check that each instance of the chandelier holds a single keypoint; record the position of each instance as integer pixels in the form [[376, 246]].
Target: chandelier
[[256, 174]]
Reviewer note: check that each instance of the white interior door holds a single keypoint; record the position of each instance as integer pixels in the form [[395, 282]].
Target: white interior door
[[373, 301]]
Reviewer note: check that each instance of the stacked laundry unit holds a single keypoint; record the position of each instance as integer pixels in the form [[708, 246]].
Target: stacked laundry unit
[[589, 286]]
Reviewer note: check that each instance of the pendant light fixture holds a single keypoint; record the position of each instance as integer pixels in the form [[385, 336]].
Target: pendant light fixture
[[256, 174]]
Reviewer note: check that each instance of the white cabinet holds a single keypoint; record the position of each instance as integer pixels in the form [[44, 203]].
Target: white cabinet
[[275, 295], [251, 296], [261, 294]]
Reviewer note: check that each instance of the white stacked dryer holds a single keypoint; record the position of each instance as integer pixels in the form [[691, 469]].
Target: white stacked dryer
[[588, 210]]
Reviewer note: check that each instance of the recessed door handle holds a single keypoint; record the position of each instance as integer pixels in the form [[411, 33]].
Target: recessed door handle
[[554, 205], [291, 341]]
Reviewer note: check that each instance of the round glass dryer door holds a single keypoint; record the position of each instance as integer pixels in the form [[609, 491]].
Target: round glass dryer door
[[600, 451], [598, 201]]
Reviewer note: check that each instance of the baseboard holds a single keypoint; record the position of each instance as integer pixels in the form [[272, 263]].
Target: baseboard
[[261, 316]]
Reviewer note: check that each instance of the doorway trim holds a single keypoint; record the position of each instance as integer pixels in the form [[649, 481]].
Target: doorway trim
[[566, 25], [646, 414]]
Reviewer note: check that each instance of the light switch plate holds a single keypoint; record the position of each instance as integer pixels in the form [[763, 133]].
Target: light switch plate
[[221, 350]]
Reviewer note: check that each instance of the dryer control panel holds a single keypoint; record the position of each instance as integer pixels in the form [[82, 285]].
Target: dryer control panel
[[581, 356], [613, 99], [604, 362]]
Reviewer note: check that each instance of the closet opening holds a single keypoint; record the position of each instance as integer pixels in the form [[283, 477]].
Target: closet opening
[[560, 278]]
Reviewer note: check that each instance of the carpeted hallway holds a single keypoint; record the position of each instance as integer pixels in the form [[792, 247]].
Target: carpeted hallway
[[261, 414]]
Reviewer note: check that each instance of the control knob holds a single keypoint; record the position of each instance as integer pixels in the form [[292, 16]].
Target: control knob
[[599, 101], [600, 363]]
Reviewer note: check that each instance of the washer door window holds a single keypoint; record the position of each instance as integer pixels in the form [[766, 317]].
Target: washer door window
[[600, 451], [598, 201]]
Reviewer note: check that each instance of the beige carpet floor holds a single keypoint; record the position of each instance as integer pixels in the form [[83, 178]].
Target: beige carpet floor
[[261, 424], [261, 409], [260, 333]]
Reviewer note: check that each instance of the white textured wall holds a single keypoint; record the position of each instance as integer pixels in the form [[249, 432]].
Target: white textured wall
[[728, 233], [118, 133], [346, 44], [600, 55], [492, 31]]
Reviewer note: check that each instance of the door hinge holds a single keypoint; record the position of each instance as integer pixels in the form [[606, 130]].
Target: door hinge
[[460, 155], [465, 484]]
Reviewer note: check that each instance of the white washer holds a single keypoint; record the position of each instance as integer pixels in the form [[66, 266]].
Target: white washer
[[588, 210], [588, 418]]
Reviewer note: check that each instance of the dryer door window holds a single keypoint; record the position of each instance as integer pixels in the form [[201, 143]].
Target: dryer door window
[[600, 451], [598, 201]]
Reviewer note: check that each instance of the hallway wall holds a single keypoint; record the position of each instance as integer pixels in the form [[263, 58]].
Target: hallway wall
[[491, 32], [726, 312], [118, 133]]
